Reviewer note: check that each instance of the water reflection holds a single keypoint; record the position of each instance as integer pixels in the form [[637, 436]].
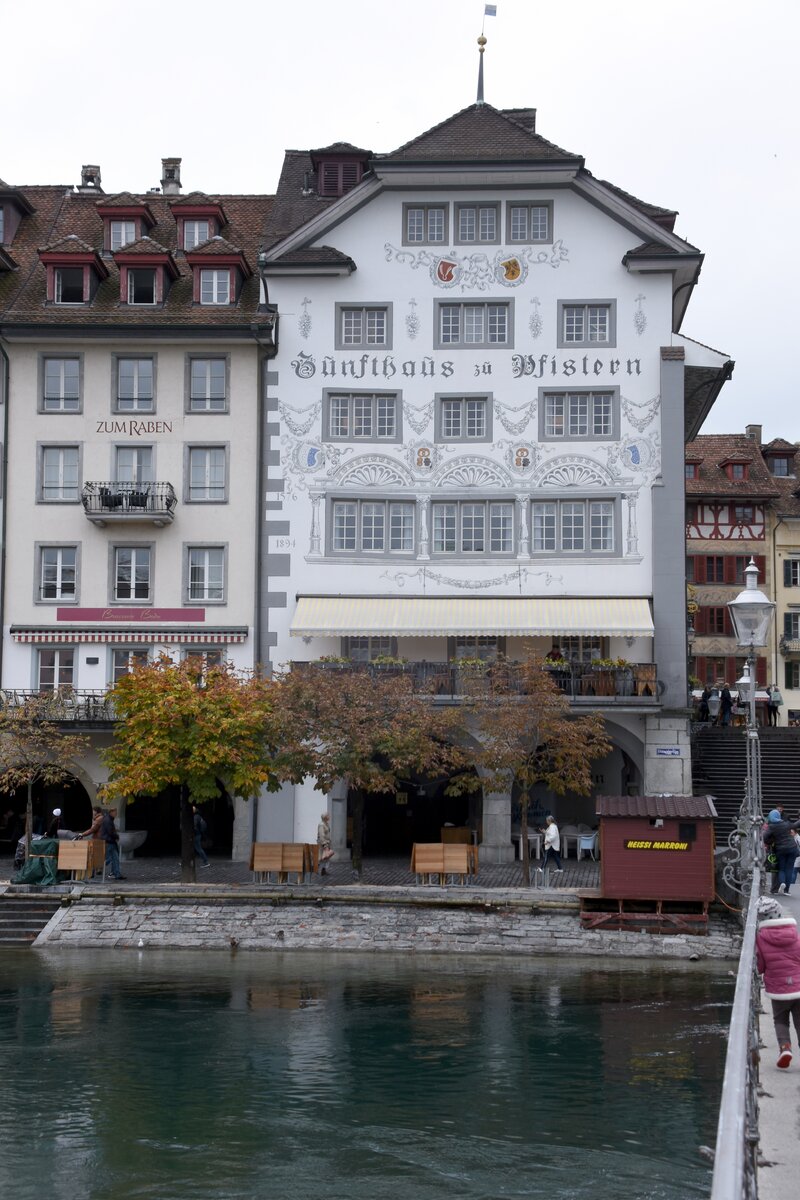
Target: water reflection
[[149, 1075]]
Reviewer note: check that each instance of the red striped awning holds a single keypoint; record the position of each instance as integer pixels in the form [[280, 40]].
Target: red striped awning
[[130, 637]]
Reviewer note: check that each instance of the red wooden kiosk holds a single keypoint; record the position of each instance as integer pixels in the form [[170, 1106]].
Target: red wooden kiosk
[[656, 864]]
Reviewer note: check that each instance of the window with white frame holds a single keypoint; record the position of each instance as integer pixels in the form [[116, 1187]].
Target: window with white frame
[[791, 626], [215, 286], [371, 527], [529, 223], [205, 659], [425, 224], [367, 649], [141, 285], [55, 668], [132, 572], [206, 574], [362, 416], [573, 526], [133, 464], [208, 385], [207, 473], [124, 661], [69, 285], [586, 323], [473, 325], [135, 391], [473, 527], [122, 234], [791, 572], [792, 676], [58, 573], [62, 385], [194, 233], [580, 414], [362, 327], [463, 419], [60, 466], [478, 223], [581, 649], [486, 648]]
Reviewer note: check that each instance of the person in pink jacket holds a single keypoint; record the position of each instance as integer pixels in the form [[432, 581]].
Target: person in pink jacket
[[778, 960]]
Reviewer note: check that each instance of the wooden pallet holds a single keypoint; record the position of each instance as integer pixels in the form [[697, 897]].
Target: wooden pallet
[[642, 916]]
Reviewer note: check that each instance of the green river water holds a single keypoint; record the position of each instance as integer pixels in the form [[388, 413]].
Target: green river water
[[146, 1075]]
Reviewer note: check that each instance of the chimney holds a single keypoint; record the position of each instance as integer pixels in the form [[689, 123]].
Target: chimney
[[171, 176], [90, 178], [753, 432]]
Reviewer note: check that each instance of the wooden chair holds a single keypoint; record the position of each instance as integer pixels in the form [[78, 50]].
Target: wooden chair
[[77, 858], [456, 862], [265, 860], [292, 861]]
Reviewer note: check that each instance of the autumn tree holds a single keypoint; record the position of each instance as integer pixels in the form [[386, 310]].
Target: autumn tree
[[367, 728], [182, 725], [34, 749], [528, 735]]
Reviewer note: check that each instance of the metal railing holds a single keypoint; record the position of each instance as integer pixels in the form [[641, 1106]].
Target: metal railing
[[63, 704], [636, 683], [108, 500], [736, 1154]]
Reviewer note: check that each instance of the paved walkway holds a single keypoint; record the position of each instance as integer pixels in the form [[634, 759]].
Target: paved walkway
[[378, 872]]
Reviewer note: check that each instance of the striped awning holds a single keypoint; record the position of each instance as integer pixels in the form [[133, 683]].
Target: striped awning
[[476, 616], [130, 637]]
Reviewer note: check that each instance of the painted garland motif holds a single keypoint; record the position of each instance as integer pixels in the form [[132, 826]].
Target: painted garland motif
[[535, 322], [515, 427], [640, 316], [478, 271], [640, 414], [300, 427], [304, 320], [418, 418], [520, 575], [412, 320]]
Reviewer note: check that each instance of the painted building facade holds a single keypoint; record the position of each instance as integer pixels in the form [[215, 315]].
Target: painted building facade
[[477, 419], [133, 342]]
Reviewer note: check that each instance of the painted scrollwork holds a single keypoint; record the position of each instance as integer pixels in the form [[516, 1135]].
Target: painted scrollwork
[[472, 471], [375, 470], [640, 413], [519, 575], [571, 471], [477, 271], [502, 413]]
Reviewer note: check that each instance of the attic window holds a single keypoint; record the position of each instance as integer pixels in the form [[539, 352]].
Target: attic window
[[692, 470], [69, 283], [336, 178], [122, 234], [778, 466], [737, 470]]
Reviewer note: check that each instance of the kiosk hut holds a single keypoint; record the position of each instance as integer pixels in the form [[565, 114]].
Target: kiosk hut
[[656, 864]]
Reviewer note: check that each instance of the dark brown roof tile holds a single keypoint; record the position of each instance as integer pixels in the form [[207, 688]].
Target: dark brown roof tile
[[689, 808]]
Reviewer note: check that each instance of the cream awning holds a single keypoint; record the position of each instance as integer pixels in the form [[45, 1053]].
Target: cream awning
[[437, 616]]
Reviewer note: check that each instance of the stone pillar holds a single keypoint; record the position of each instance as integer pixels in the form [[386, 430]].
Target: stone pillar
[[523, 500], [314, 540], [496, 845], [423, 505], [337, 807], [242, 829], [667, 756]]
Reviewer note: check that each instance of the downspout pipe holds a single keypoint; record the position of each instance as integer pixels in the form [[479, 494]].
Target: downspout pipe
[[775, 630], [5, 377]]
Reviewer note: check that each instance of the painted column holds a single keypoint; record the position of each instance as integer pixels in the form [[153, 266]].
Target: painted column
[[423, 503], [314, 541], [523, 499]]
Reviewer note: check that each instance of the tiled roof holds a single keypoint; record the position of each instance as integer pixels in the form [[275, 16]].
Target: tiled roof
[[657, 249], [121, 200], [317, 255], [340, 148], [217, 245], [780, 444], [71, 244], [191, 198], [144, 245], [676, 807], [61, 212], [479, 132], [788, 502], [294, 204], [711, 450], [662, 216]]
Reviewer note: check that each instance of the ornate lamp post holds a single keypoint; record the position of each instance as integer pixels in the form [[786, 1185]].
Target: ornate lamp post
[[751, 614]]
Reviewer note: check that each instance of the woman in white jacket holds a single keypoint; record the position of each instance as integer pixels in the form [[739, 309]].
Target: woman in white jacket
[[552, 843]]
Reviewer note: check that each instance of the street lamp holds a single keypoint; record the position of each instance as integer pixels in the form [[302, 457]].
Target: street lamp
[[751, 614]]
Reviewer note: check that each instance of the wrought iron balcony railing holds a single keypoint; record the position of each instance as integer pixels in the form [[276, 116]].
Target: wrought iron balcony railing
[[64, 704], [106, 501]]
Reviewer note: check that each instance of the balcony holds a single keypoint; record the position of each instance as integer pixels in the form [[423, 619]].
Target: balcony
[[148, 503], [584, 685], [67, 705], [789, 645]]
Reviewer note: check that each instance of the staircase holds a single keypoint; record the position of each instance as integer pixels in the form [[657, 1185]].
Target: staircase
[[719, 769], [22, 918]]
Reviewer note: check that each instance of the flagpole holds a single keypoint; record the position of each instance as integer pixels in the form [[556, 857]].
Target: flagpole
[[489, 10]]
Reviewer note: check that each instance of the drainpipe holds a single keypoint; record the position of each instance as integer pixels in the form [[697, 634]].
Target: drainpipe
[[5, 375], [775, 633]]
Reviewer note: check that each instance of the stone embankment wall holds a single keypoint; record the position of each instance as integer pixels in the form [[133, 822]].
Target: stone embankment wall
[[362, 920]]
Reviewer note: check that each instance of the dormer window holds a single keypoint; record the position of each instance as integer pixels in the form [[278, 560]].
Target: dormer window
[[218, 269], [215, 286], [141, 285], [122, 234], [779, 467], [691, 470], [737, 471], [69, 285], [73, 271], [336, 178], [145, 271], [195, 232]]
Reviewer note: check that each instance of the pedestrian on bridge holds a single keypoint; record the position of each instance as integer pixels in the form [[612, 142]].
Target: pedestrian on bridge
[[780, 836], [778, 960]]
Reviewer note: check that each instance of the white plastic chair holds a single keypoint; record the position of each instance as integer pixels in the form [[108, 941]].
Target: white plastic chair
[[588, 842]]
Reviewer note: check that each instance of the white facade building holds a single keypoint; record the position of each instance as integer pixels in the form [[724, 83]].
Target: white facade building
[[477, 418]]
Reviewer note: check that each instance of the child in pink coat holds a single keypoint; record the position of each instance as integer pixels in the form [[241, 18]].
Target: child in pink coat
[[778, 959]]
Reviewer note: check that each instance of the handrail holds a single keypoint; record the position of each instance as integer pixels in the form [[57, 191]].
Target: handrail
[[736, 1154]]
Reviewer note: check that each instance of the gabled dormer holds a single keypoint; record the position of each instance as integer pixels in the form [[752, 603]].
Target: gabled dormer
[[146, 271], [74, 270], [13, 207], [198, 218], [126, 219], [218, 271], [779, 456], [736, 467], [339, 168]]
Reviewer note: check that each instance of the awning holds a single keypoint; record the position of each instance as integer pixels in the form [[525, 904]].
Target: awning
[[129, 637], [437, 616]]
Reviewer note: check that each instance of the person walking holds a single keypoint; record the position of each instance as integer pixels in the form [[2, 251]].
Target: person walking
[[713, 705], [324, 843], [200, 829], [774, 701], [725, 705], [108, 834], [780, 835], [778, 961], [552, 843], [702, 711]]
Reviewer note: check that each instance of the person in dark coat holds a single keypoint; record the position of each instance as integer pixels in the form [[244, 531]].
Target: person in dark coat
[[780, 835], [778, 960], [725, 705], [702, 711], [108, 834]]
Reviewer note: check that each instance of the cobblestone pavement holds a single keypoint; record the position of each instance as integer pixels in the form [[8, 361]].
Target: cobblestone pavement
[[378, 872]]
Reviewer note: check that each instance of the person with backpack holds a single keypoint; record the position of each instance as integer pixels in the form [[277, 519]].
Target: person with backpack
[[109, 835], [780, 837], [200, 830], [778, 961]]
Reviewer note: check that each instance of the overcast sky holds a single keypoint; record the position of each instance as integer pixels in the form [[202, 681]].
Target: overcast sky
[[690, 105]]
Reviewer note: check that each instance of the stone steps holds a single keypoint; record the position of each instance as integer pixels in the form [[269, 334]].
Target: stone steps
[[719, 769], [22, 918]]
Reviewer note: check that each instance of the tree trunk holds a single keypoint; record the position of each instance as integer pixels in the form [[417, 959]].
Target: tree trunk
[[188, 874], [28, 821], [523, 829], [358, 833]]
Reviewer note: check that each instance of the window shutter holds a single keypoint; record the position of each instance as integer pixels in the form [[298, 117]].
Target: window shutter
[[761, 672], [787, 572], [700, 669], [700, 621], [350, 175], [761, 563], [787, 676], [787, 625], [729, 569], [730, 671], [329, 179], [727, 625], [699, 568]]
